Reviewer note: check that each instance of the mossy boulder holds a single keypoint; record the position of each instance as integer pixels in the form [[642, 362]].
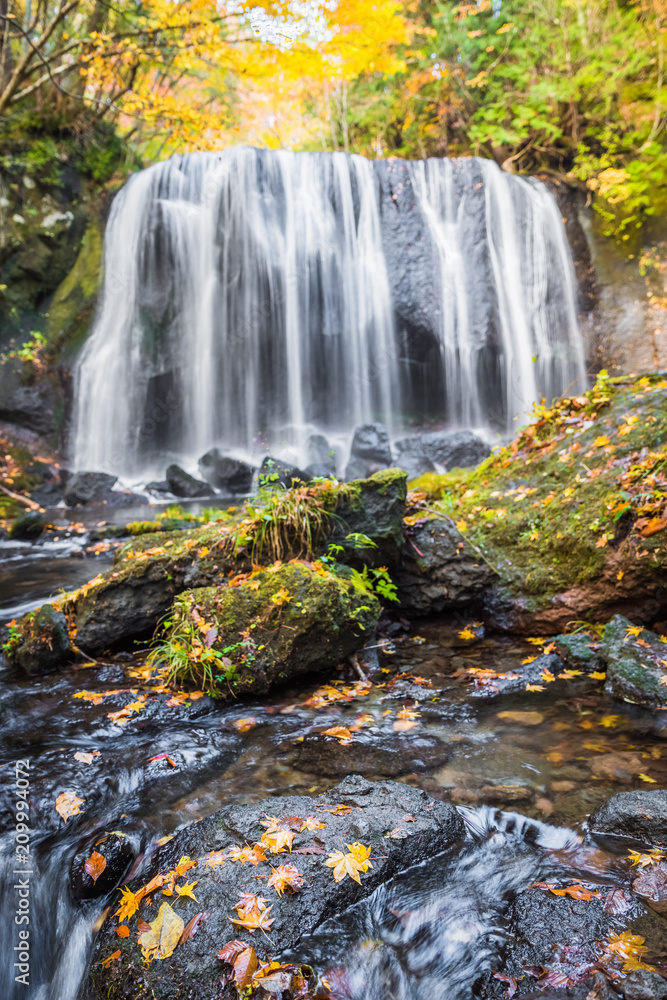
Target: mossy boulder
[[580, 650], [636, 663], [266, 627], [39, 643], [572, 515], [73, 304], [374, 507]]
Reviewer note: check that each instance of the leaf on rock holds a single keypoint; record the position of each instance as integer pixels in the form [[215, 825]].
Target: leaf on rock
[[106, 962], [186, 890], [653, 857], [95, 865], [123, 931], [192, 926], [512, 983], [352, 863], [277, 842], [253, 855], [336, 810], [253, 914], [286, 877], [342, 734], [312, 823], [164, 934], [245, 965], [575, 891], [129, 904], [229, 951], [68, 804]]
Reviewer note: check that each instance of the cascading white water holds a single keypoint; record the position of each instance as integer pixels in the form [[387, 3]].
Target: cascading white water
[[251, 297]]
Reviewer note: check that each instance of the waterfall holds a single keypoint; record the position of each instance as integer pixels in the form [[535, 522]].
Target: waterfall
[[251, 297]]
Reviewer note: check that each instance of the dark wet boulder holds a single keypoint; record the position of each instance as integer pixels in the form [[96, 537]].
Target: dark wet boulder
[[100, 866], [640, 815], [356, 812], [158, 486], [88, 487], [370, 451], [229, 475], [373, 755], [439, 569], [273, 472], [27, 527], [644, 985], [39, 643], [319, 452], [412, 456], [580, 651], [555, 941], [636, 663], [374, 508], [182, 484], [455, 449], [519, 678], [269, 629]]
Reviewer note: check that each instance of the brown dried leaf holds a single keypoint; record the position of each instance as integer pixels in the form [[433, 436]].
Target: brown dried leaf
[[192, 926], [95, 865]]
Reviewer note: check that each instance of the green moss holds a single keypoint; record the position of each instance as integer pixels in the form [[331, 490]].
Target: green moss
[[547, 511], [73, 304]]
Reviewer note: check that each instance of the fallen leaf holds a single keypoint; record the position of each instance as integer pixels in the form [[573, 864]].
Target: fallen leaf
[[286, 877], [575, 891], [534, 687], [312, 823], [163, 935], [523, 718], [86, 758], [244, 724], [512, 983], [342, 734], [653, 857], [106, 962], [68, 804], [95, 865], [337, 810], [351, 864], [254, 855], [245, 965], [229, 951], [186, 890], [598, 675], [279, 840], [129, 904], [467, 633], [253, 914], [645, 777], [123, 931], [192, 926]]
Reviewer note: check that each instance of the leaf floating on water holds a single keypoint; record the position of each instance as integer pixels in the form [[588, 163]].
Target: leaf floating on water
[[86, 758], [523, 718], [164, 934], [163, 756], [653, 857], [68, 804], [243, 725], [286, 877], [342, 734], [95, 865]]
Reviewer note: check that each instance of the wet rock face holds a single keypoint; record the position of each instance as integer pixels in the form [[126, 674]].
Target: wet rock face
[[40, 643], [376, 509], [579, 651], [115, 855], [370, 451], [27, 527], [226, 474], [181, 484], [373, 810], [324, 755], [639, 815], [644, 985], [439, 569], [636, 664], [455, 449], [319, 453]]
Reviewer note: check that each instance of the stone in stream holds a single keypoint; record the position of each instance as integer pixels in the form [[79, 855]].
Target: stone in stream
[[320, 453], [83, 487], [370, 451], [644, 985], [27, 527], [439, 569], [116, 854], [39, 643], [636, 664], [229, 475], [412, 457], [640, 815], [354, 812], [284, 622], [580, 651], [182, 484], [454, 449]]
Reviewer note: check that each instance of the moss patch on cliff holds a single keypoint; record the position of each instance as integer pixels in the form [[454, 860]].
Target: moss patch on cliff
[[581, 491]]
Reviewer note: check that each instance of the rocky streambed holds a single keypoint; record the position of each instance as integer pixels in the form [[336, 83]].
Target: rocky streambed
[[357, 741]]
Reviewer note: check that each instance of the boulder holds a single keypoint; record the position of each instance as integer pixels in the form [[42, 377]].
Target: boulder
[[439, 569], [27, 527], [317, 471], [182, 484], [319, 452], [370, 451], [158, 486], [84, 487], [580, 651], [273, 472], [641, 815], [39, 643], [454, 449], [373, 810], [229, 475], [373, 507], [268, 629], [370, 755], [636, 664], [413, 458], [115, 855], [644, 985]]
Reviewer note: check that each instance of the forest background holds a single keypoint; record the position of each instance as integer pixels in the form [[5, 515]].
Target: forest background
[[575, 88]]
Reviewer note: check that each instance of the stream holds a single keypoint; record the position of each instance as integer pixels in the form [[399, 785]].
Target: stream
[[525, 770]]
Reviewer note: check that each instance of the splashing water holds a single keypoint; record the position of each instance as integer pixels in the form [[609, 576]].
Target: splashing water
[[252, 297]]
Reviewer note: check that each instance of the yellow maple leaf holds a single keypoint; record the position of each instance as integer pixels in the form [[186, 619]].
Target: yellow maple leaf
[[645, 777], [461, 525], [286, 877], [529, 659], [186, 890], [129, 904], [313, 823], [277, 841], [634, 630], [467, 633], [353, 863], [598, 675], [534, 687], [68, 804]]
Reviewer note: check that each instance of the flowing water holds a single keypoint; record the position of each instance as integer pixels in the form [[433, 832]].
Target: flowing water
[[253, 297]]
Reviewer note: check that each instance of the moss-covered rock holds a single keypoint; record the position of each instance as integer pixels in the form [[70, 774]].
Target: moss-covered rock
[[73, 304], [636, 663], [266, 627], [39, 643], [573, 514], [580, 650], [373, 507]]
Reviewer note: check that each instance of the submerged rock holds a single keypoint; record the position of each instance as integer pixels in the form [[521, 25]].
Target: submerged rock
[[439, 569], [636, 663], [355, 812], [267, 629], [226, 474], [39, 643], [182, 484], [370, 451], [386, 756], [640, 815]]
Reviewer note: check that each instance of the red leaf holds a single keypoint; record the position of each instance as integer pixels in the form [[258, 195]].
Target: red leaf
[[229, 951], [512, 983], [192, 926]]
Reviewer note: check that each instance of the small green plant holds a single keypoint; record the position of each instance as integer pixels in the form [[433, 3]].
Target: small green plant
[[375, 581], [294, 524], [30, 353], [14, 639]]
